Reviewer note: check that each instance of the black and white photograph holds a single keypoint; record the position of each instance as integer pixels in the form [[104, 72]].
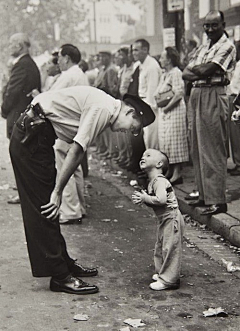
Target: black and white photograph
[[120, 165]]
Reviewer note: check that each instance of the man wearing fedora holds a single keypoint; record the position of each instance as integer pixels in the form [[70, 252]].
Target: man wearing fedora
[[76, 115]]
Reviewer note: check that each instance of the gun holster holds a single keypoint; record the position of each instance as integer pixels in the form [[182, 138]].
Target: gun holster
[[34, 121]]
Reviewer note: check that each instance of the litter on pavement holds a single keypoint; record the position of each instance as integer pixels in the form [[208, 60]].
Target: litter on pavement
[[81, 317], [215, 312], [230, 266], [134, 322]]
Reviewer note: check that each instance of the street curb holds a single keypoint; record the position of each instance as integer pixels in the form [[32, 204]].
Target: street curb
[[223, 224]]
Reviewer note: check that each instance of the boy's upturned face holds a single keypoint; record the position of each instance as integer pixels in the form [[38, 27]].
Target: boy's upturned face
[[150, 159]]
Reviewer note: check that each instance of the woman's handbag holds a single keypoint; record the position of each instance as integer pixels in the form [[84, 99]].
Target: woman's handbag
[[164, 98]]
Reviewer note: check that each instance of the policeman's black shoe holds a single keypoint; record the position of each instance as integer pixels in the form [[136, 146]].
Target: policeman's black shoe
[[72, 285], [215, 209], [65, 221], [78, 270], [197, 203]]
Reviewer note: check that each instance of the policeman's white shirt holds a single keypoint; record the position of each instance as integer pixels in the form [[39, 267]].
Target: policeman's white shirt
[[79, 113]]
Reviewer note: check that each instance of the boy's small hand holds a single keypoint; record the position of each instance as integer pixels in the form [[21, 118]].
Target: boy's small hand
[[136, 198], [139, 197]]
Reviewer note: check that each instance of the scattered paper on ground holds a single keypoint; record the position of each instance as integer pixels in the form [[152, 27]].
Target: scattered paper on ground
[[203, 226], [216, 236], [132, 229], [106, 220], [215, 312], [134, 322], [118, 174], [230, 266], [118, 250], [81, 317], [190, 245]]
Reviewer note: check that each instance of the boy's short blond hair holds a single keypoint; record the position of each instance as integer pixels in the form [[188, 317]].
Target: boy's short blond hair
[[165, 162]]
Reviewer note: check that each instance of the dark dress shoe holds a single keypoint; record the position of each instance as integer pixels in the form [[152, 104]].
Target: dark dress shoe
[[197, 203], [215, 209], [70, 221], [78, 270], [177, 181], [72, 285]]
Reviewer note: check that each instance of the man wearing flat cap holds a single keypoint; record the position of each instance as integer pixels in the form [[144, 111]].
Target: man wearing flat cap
[[76, 115]]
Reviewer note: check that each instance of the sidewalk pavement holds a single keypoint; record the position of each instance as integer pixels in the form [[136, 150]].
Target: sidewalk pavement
[[225, 224]]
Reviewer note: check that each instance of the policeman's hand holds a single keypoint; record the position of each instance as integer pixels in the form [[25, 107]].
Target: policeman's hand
[[33, 93], [51, 210], [236, 116]]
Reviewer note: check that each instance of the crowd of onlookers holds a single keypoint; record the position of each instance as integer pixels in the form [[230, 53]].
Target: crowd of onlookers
[[170, 109], [162, 83], [132, 70]]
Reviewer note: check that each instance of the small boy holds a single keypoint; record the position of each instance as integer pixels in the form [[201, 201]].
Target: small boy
[[170, 224]]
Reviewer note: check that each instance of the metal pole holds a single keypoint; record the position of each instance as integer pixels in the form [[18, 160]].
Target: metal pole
[[94, 26]]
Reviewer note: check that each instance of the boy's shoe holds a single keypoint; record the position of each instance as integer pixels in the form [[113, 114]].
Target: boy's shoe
[[159, 286]]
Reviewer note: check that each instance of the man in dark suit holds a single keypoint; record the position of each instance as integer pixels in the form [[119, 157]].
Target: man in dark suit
[[24, 77]]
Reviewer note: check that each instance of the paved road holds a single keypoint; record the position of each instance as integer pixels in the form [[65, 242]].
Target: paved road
[[118, 237]]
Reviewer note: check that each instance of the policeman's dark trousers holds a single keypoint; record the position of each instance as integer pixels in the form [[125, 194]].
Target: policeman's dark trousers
[[35, 173]]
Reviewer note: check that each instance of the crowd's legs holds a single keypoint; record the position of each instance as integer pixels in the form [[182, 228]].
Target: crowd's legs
[[234, 135], [73, 201]]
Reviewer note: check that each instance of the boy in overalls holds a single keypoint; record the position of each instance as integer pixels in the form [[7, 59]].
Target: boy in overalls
[[170, 223]]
